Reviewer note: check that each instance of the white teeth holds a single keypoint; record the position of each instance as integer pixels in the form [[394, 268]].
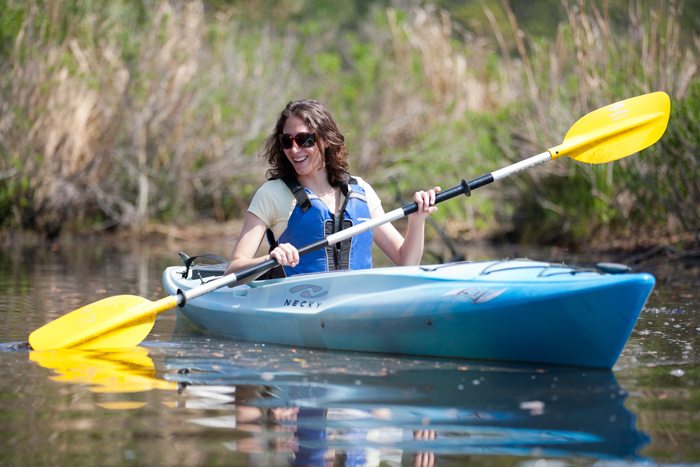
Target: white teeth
[[300, 159]]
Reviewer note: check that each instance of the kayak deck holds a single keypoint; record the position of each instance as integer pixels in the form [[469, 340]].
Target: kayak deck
[[519, 310]]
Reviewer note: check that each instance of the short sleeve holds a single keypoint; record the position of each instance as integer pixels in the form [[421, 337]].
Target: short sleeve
[[373, 201], [273, 204]]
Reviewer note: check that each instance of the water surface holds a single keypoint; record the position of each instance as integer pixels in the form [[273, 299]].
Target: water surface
[[181, 399]]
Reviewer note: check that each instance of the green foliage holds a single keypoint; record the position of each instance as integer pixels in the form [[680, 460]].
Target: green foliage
[[598, 59], [147, 111], [445, 154], [669, 179], [643, 195], [11, 18]]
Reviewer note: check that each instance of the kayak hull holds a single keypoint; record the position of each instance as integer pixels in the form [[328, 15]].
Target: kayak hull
[[520, 311]]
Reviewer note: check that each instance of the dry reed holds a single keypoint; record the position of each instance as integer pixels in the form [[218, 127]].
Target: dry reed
[[125, 123]]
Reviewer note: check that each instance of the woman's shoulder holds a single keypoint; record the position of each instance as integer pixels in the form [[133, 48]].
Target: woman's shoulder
[[362, 182], [372, 197], [274, 186], [272, 201], [273, 191]]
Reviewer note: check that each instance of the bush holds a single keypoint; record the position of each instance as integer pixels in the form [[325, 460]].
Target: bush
[[122, 113], [595, 61]]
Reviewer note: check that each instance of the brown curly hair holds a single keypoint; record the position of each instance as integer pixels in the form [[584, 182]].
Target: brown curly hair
[[321, 123]]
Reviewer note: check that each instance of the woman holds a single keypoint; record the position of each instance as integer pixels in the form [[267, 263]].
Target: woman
[[311, 194]]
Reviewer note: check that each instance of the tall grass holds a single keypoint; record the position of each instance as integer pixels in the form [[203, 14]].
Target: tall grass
[[119, 114], [91, 117], [594, 61]]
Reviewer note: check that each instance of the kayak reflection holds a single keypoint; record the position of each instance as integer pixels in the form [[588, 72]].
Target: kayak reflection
[[112, 372], [416, 414]]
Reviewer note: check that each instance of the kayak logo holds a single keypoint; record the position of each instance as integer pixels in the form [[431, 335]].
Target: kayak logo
[[307, 296], [308, 291], [475, 295]]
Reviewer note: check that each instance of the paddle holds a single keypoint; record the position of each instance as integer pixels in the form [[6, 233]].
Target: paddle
[[604, 135]]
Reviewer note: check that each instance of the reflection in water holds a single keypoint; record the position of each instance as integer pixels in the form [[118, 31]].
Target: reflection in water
[[114, 372], [264, 405], [317, 408], [243, 404], [419, 411]]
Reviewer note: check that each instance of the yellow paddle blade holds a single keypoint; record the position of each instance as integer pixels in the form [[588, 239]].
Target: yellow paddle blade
[[123, 371], [617, 130], [115, 322]]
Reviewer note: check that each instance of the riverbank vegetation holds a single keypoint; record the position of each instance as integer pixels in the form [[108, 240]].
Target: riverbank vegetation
[[118, 115]]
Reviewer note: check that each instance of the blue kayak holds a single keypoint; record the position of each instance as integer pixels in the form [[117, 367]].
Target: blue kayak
[[514, 310]]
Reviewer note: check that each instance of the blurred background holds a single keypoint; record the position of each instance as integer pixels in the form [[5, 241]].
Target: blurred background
[[133, 115]]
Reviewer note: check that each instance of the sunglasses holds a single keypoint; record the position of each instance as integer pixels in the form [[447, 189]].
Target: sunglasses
[[303, 140]]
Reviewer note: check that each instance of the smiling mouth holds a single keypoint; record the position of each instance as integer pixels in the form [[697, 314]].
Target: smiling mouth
[[300, 159]]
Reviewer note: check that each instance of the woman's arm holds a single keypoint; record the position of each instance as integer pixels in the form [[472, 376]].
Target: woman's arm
[[408, 250], [246, 247]]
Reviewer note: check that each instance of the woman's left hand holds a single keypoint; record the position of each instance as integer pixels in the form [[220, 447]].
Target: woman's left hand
[[425, 200]]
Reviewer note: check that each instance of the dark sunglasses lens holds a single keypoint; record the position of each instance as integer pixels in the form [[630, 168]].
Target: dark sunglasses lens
[[286, 141], [303, 140]]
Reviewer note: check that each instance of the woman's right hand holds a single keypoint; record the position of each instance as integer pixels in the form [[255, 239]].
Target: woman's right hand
[[286, 254]]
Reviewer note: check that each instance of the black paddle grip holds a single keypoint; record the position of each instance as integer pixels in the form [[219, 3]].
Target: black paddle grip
[[464, 188]]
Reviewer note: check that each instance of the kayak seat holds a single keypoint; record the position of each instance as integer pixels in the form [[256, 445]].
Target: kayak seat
[[203, 266]]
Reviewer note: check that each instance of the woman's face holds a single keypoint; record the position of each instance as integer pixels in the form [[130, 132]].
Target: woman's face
[[305, 160]]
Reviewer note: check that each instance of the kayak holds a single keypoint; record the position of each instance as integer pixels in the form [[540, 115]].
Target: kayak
[[510, 310]]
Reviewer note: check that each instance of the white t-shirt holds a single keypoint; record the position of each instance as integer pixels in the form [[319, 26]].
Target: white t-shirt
[[273, 203]]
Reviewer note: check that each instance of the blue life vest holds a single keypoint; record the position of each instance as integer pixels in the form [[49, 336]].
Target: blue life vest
[[311, 221]]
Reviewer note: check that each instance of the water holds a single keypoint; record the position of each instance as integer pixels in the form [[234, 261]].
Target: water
[[191, 400]]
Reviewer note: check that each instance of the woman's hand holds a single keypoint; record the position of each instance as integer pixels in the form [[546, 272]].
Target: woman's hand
[[286, 254], [425, 200]]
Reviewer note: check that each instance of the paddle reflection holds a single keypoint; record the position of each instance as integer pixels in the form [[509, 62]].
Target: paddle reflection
[[117, 371], [414, 415]]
